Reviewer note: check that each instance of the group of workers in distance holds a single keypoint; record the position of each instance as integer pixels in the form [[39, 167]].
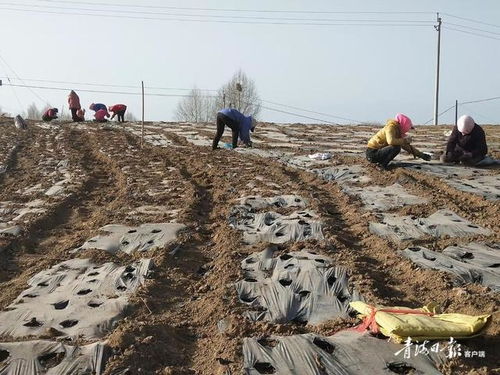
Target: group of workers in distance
[[466, 144], [101, 113]]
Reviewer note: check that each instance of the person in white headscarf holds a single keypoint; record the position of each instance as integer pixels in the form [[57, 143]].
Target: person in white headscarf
[[466, 144]]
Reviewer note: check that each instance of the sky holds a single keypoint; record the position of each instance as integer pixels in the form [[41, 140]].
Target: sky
[[312, 55]]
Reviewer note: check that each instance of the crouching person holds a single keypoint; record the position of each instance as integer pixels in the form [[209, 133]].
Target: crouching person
[[50, 114], [80, 115], [100, 115], [240, 126], [466, 144], [118, 110], [388, 142]]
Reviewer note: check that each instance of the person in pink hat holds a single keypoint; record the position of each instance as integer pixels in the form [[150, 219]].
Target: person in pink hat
[[387, 143], [466, 144]]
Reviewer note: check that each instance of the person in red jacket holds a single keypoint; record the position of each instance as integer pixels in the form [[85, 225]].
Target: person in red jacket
[[74, 104], [118, 110], [50, 114]]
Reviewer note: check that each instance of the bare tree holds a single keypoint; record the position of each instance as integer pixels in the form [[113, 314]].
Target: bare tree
[[239, 93], [33, 113], [129, 116], [198, 106]]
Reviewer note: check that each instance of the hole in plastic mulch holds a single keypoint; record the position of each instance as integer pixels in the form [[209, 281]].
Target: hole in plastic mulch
[[285, 282], [51, 360], [266, 341], [400, 368], [84, 292], [68, 323], [61, 305], [325, 345], [33, 323], [264, 368], [4, 354]]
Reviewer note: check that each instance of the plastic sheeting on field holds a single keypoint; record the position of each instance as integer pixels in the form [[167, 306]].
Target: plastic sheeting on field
[[52, 358], [344, 174], [472, 263], [384, 198], [73, 298], [258, 203], [345, 353], [276, 228], [297, 286], [271, 226], [130, 239], [439, 224]]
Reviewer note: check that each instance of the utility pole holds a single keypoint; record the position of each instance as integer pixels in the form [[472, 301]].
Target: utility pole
[[456, 111], [436, 93], [142, 130]]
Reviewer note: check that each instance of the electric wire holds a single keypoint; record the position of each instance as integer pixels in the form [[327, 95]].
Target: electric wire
[[471, 33], [344, 23], [232, 9]]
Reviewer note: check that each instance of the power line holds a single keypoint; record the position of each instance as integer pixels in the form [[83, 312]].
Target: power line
[[317, 113], [442, 113], [478, 114], [472, 28], [13, 71], [389, 24], [214, 16], [471, 20], [171, 88], [231, 9], [471, 33], [295, 114], [109, 85], [467, 102], [161, 95], [481, 100]]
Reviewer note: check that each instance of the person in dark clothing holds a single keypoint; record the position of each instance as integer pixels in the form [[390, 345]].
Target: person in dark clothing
[[466, 144], [240, 126], [50, 114]]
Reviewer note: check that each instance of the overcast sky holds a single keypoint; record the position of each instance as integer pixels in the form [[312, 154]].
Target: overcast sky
[[357, 71]]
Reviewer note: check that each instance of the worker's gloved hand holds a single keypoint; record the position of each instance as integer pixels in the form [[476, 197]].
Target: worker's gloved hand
[[408, 139]]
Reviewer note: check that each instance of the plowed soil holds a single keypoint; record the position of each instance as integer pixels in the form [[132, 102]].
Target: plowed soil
[[172, 325]]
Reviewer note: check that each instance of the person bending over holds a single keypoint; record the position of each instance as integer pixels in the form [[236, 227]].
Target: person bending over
[[240, 126], [118, 110], [387, 143], [466, 144], [50, 114]]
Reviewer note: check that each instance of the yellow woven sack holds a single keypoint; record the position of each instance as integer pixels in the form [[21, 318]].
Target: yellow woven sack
[[419, 324]]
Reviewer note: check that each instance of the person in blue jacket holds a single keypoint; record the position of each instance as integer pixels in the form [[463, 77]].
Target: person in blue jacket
[[97, 107], [240, 125]]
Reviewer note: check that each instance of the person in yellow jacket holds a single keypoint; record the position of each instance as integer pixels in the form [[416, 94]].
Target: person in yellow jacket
[[388, 142]]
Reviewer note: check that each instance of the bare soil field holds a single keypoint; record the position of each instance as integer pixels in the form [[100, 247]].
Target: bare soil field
[[73, 192]]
